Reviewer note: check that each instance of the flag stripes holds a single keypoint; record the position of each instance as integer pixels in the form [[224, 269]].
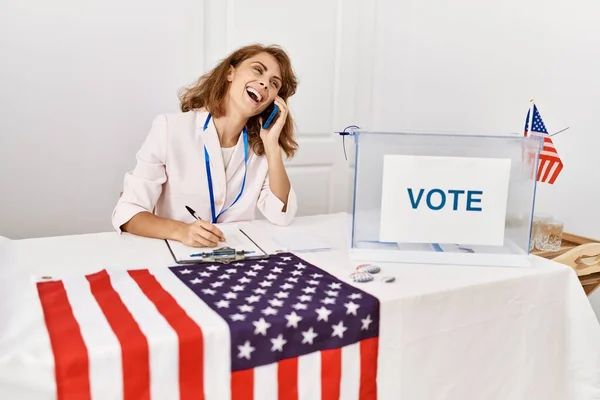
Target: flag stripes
[[191, 351], [134, 345], [331, 374], [70, 353]]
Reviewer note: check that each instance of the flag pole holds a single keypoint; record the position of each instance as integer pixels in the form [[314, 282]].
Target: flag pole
[[530, 113], [529, 130]]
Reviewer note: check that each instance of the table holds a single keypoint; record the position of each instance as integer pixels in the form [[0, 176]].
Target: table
[[589, 277], [447, 332]]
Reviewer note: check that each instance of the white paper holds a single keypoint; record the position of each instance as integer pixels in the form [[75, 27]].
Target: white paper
[[234, 238], [412, 220], [295, 241]]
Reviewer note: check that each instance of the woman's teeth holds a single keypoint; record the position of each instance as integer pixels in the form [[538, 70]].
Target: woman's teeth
[[254, 94]]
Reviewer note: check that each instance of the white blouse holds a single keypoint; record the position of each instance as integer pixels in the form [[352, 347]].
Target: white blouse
[[171, 173]]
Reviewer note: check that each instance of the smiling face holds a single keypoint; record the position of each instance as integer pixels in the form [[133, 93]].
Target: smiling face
[[254, 84]]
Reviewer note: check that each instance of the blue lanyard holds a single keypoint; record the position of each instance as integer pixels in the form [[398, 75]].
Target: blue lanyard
[[209, 177]]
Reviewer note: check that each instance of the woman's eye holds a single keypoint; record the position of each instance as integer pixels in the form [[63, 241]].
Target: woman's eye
[[257, 69]]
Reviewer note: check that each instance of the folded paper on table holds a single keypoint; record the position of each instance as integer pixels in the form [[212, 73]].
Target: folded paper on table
[[234, 238], [294, 241]]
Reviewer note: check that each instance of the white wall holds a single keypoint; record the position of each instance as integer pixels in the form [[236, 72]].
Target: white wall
[[82, 81]]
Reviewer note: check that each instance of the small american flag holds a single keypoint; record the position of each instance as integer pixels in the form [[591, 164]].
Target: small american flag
[[549, 165], [278, 328]]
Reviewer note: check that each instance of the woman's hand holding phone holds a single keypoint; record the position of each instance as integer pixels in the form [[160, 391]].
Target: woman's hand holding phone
[[270, 136]]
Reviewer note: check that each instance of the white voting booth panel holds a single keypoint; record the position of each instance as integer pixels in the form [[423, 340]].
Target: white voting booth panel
[[443, 198]]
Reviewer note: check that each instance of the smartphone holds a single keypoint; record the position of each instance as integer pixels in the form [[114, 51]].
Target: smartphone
[[270, 115]]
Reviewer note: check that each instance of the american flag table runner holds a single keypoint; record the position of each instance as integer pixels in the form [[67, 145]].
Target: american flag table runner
[[271, 329]]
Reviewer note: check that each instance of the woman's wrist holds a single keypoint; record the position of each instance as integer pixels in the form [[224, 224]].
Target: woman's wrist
[[177, 230], [272, 150]]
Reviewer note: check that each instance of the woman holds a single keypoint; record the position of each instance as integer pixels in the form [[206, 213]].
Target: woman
[[215, 157]]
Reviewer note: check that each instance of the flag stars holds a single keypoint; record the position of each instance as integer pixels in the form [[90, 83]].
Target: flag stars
[[238, 317], [253, 299], [185, 271], [281, 303], [278, 343], [308, 336], [305, 297], [323, 314], [351, 308], [261, 327], [263, 261], [338, 330], [245, 350], [366, 322], [276, 303], [245, 308], [212, 267], [269, 311], [293, 319], [222, 304], [309, 290]]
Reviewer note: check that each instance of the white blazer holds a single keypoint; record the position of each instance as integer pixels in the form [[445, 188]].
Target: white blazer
[[171, 174]]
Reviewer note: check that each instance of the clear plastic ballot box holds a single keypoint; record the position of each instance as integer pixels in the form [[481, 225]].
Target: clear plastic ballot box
[[443, 198]]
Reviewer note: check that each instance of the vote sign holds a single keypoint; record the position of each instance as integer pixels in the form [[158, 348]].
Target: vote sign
[[429, 199]]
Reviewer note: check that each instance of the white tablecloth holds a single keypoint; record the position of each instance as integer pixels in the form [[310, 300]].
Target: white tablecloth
[[447, 332]]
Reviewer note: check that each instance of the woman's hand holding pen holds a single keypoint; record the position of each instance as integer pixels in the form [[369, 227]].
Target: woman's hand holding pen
[[200, 234]]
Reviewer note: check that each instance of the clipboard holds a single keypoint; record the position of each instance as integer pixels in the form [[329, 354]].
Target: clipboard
[[238, 247]]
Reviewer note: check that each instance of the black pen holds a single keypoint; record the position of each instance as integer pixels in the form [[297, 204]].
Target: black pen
[[191, 211]]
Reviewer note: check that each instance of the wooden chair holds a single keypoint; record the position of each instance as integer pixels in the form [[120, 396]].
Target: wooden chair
[[583, 255]]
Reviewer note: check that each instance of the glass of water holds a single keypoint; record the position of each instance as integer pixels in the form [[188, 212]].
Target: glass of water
[[549, 235], [538, 219]]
